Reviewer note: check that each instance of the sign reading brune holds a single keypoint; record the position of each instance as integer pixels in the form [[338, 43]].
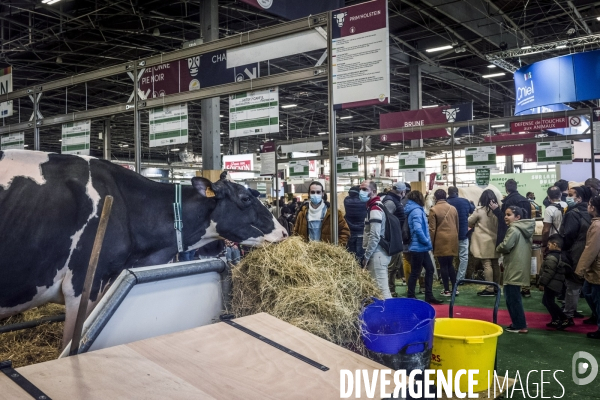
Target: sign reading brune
[[360, 54]]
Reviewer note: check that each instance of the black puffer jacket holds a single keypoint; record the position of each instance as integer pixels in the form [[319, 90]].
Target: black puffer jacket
[[356, 212], [513, 199], [553, 271], [393, 203], [573, 229]]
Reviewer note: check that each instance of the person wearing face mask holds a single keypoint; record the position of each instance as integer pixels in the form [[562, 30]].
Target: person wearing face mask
[[314, 218], [375, 259], [589, 265], [575, 224], [516, 247], [536, 210], [393, 202]]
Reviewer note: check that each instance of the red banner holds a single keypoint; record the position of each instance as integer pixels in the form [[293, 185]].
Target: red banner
[[528, 150], [242, 165], [544, 123]]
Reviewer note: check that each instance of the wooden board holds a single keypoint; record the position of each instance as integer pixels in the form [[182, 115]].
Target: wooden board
[[214, 361]]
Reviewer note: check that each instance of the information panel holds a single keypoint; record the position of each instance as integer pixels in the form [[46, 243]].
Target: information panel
[[480, 157], [6, 86], [360, 53], [559, 152], [76, 138], [254, 113], [168, 125], [482, 176], [347, 165], [413, 161], [299, 169], [12, 141]]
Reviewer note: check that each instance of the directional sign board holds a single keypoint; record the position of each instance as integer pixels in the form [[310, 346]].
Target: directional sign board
[[482, 176], [559, 152], [168, 125], [254, 113], [299, 169], [480, 157], [347, 165], [76, 138], [12, 141], [413, 161]]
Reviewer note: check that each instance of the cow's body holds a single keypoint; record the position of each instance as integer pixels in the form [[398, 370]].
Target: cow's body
[[471, 193], [49, 212]]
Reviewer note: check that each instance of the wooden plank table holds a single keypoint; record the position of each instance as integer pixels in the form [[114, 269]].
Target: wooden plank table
[[215, 361]]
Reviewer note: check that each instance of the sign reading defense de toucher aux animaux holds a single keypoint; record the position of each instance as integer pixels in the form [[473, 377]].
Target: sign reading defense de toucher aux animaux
[[360, 54]]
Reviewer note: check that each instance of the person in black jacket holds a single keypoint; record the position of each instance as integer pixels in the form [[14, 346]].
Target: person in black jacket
[[514, 198], [573, 229], [356, 213], [393, 202], [552, 280], [564, 188]]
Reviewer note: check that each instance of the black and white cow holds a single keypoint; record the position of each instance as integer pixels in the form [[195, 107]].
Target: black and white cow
[[50, 206]]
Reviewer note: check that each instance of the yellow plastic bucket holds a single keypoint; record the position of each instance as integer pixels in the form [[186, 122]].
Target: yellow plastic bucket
[[460, 343]]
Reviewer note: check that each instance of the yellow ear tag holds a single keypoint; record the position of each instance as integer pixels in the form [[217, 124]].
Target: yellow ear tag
[[209, 192]]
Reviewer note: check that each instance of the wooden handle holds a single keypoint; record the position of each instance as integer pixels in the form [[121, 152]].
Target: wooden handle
[[89, 277]]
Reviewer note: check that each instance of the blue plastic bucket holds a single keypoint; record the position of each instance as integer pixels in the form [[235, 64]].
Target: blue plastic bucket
[[398, 324]]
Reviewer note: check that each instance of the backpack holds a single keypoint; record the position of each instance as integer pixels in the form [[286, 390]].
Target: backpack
[[392, 240]]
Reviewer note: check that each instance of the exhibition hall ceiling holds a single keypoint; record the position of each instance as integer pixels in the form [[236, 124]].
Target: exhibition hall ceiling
[[47, 42]]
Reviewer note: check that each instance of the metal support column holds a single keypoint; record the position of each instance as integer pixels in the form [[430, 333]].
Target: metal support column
[[332, 138], [416, 99], [36, 129], [365, 158], [509, 165], [452, 130], [211, 123], [106, 141], [137, 128], [592, 143], [277, 209], [236, 146]]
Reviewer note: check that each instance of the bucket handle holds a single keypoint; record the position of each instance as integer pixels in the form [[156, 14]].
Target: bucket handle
[[421, 324], [474, 340], [425, 346]]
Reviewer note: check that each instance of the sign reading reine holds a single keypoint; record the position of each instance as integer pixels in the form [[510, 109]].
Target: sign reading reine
[[76, 138], [168, 125]]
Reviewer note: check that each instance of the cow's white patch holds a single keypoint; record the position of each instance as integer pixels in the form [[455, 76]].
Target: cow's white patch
[[95, 198], [210, 236], [276, 235], [25, 163]]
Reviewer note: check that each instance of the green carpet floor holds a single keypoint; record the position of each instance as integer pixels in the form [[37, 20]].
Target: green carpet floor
[[538, 350]]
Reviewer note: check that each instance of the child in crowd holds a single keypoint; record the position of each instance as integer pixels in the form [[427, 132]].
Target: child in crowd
[[552, 280], [516, 248]]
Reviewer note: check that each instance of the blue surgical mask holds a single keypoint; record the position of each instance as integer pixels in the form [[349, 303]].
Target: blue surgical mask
[[364, 196], [570, 201], [316, 199]]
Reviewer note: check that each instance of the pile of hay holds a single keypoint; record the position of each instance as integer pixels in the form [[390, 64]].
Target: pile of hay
[[315, 286], [34, 345]]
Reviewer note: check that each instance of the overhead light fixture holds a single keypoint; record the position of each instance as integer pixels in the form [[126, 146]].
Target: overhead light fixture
[[60, 140], [433, 49], [491, 66], [561, 46], [497, 126], [395, 144], [221, 115], [346, 117], [322, 133], [50, 1], [343, 149], [222, 133], [494, 75], [175, 149], [598, 18], [59, 60], [125, 145], [525, 47], [289, 106], [431, 106], [156, 32], [221, 145], [25, 145]]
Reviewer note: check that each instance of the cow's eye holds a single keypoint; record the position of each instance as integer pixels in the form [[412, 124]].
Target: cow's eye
[[246, 199]]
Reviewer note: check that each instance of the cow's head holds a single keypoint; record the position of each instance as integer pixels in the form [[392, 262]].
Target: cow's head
[[339, 18], [238, 215]]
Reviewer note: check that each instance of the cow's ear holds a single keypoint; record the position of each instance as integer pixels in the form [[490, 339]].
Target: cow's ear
[[201, 185]]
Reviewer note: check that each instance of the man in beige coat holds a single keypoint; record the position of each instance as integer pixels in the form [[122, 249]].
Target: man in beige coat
[[443, 230]]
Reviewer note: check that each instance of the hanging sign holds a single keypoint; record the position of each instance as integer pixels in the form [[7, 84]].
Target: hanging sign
[[482, 176], [240, 162], [545, 124], [360, 54], [444, 170], [559, 152], [413, 161], [12, 141], [6, 108], [268, 158], [347, 165], [596, 122], [295, 9], [413, 121], [76, 138], [168, 125], [254, 113], [299, 169], [480, 157], [527, 150]]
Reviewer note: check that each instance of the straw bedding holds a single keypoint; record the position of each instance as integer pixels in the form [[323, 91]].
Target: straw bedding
[[315, 286], [34, 345]]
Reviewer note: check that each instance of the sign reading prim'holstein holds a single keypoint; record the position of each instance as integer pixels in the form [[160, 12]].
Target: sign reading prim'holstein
[[360, 54]]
